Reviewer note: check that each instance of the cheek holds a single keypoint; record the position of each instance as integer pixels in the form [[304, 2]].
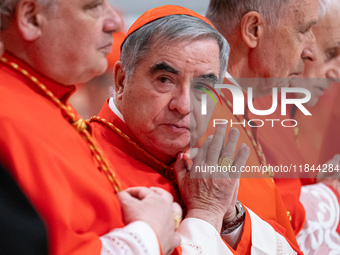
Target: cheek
[[151, 112], [201, 122]]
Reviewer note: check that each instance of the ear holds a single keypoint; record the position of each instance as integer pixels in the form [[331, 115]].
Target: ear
[[29, 19], [252, 28], [119, 79]]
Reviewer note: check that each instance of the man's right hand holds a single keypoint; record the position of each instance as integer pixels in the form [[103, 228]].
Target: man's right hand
[[154, 206], [212, 196]]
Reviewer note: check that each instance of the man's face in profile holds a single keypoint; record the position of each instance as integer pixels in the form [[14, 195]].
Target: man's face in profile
[[161, 101], [77, 36], [318, 74], [286, 46]]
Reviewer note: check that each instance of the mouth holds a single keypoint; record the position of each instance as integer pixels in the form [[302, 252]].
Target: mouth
[[106, 48], [296, 75], [177, 127], [320, 90]]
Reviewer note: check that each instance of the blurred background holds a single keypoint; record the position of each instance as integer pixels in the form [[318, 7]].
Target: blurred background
[[90, 96], [132, 9]]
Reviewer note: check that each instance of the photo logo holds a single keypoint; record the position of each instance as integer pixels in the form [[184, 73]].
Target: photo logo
[[238, 100], [209, 93]]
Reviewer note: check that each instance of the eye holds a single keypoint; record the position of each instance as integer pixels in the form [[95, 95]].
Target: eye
[[305, 31], [332, 53], [164, 84], [94, 5], [201, 86], [165, 80]]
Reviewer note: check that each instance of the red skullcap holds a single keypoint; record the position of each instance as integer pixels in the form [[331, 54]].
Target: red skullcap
[[160, 12]]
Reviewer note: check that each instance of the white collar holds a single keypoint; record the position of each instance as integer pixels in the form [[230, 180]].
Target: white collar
[[114, 108]]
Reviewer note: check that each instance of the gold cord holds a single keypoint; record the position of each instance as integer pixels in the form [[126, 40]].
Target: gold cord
[[78, 123], [169, 170]]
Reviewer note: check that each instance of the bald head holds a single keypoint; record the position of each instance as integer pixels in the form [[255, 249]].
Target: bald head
[[226, 15]]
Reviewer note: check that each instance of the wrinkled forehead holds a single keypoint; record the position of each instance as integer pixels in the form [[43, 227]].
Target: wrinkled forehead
[[303, 11], [188, 50]]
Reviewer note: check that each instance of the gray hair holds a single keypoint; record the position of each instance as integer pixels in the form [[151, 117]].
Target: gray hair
[[173, 28], [226, 15], [7, 10], [327, 6]]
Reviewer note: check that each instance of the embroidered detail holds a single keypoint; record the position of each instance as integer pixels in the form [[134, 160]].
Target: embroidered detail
[[121, 237], [319, 234], [197, 248], [289, 215], [282, 246], [78, 123]]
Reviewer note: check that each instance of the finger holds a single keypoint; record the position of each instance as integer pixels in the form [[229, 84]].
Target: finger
[[230, 148], [216, 145], [125, 198], [191, 154], [202, 152], [240, 160], [139, 192], [181, 168], [162, 192]]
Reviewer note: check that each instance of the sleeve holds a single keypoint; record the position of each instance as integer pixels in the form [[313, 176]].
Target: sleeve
[[258, 237], [321, 231], [234, 237], [200, 237], [267, 239], [137, 238], [262, 236]]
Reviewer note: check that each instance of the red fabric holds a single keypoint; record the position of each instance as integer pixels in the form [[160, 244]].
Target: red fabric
[[336, 193], [140, 170], [53, 165], [114, 56], [318, 137], [133, 167], [160, 12], [258, 193], [245, 247], [280, 148]]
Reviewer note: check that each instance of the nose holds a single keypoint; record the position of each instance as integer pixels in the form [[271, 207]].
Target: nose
[[181, 100], [311, 50], [113, 22]]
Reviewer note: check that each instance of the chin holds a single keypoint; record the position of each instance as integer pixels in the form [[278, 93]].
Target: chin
[[100, 68]]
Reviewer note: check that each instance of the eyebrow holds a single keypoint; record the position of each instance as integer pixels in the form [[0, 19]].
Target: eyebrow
[[163, 67], [210, 76], [167, 68]]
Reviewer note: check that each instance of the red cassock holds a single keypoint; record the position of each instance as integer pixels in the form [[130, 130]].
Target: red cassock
[[317, 229], [138, 168], [318, 137], [257, 191], [52, 163], [279, 146]]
